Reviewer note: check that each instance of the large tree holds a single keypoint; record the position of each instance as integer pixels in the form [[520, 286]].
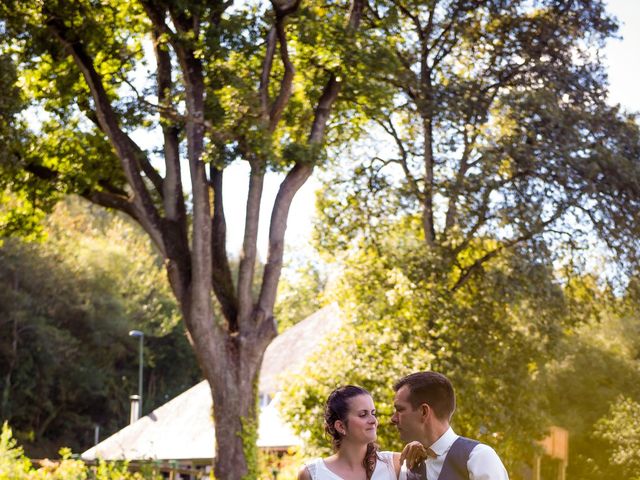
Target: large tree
[[498, 125], [252, 82]]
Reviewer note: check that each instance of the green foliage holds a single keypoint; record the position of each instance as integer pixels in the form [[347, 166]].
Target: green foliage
[[498, 125], [70, 146], [622, 430], [596, 364], [13, 464], [18, 214], [283, 466], [524, 350], [249, 435], [68, 303], [491, 337]]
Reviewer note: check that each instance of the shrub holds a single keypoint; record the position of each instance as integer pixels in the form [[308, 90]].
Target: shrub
[[15, 466]]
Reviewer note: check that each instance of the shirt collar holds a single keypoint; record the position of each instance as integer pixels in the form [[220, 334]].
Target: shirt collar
[[443, 444]]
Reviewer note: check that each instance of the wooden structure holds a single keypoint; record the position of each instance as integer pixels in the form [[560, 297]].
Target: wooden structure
[[556, 446]]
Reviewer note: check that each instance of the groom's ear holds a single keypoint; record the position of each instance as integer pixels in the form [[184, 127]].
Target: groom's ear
[[425, 410]]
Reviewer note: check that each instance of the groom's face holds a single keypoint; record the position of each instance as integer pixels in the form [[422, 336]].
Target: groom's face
[[407, 419]]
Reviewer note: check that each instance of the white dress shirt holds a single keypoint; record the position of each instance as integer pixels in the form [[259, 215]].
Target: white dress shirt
[[483, 463]]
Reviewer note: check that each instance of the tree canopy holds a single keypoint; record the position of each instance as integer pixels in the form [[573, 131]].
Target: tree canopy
[[527, 346], [497, 125]]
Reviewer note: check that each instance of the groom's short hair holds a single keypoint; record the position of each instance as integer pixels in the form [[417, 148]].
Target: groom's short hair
[[431, 388]]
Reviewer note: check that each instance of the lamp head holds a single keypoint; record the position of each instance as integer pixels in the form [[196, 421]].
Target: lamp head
[[136, 333]]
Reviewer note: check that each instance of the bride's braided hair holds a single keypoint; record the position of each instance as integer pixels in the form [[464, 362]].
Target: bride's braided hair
[[337, 408]]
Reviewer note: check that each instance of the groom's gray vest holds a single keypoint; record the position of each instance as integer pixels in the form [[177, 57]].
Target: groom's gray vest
[[455, 463]]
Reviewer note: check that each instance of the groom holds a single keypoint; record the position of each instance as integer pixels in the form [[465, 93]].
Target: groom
[[424, 404]]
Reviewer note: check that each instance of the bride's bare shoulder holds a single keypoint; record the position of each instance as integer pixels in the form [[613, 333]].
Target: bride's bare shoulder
[[304, 474]]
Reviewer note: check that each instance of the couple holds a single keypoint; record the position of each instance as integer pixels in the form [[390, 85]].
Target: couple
[[424, 403]]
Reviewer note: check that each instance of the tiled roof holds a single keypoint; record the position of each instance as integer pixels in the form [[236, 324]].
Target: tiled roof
[[289, 352]]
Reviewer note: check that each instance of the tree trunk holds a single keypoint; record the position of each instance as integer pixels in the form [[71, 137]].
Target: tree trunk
[[427, 205], [6, 391], [231, 363], [234, 388], [235, 416]]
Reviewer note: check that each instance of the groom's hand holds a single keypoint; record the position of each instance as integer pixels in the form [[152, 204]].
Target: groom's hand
[[413, 453]]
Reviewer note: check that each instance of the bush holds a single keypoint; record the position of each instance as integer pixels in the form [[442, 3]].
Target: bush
[[15, 466], [621, 429], [281, 466]]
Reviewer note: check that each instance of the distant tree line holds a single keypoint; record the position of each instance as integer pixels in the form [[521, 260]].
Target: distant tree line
[[67, 304]]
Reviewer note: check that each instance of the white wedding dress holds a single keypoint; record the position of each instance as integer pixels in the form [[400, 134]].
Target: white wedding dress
[[384, 469]]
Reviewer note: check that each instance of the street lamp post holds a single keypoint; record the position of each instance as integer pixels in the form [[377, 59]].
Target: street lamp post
[[140, 335]]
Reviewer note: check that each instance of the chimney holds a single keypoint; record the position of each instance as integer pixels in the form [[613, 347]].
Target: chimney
[[135, 408]]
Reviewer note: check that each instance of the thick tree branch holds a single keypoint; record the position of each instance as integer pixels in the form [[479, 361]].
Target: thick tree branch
[[109, 197], [296, 177], [323, 109], [208, 335], [456, 189], [291, 184], [426, 32], [265, 77], [222, 280], [172, 189], [332, 87], [150, 172], [157, 14], [176, 225], [112, 201], [355, 15], [287, 79], [427, 198], [249, 251]]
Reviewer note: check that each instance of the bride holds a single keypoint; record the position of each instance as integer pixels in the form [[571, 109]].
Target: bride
[[350, 420]]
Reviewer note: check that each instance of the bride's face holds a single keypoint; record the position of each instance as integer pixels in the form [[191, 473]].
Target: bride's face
[[361, 422]]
